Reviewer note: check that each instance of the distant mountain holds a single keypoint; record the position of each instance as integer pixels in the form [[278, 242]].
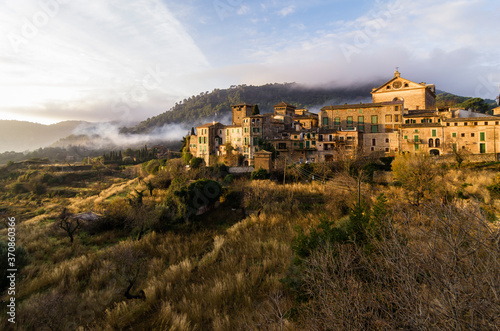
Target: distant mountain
[[216, 105], [20, 136]]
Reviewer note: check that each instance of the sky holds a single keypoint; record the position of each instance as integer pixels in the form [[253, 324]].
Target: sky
[[111, 60]]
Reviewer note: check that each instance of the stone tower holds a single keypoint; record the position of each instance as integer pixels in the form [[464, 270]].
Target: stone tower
[[241, 111]]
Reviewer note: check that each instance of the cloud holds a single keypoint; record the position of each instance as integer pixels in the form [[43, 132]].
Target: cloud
[[107, 135], [243, 10], [287, 11], [90, 47]]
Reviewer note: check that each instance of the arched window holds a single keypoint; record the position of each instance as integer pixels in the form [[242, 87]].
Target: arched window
[[437, 142], [431, 142]]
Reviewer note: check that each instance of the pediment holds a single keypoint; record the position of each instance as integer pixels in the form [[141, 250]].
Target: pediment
[[397, 84]]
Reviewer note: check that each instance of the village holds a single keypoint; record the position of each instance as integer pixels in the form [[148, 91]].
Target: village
[[402, 118]]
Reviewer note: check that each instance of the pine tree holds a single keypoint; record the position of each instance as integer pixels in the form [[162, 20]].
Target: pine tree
[[255, 110]]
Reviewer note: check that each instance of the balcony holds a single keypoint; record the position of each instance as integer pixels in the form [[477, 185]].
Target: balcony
[[416, 141]]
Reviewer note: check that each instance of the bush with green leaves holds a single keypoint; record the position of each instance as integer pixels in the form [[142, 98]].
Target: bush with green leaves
[[259, 174], [196, 162], [189, 199]]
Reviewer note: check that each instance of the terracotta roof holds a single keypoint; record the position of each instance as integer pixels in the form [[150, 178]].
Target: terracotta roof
[[473, 119], [363, 105], [206, 125], [284, 104]]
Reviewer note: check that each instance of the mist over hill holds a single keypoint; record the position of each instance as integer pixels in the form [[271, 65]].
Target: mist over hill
[[19, 136], [172, 125], [216, 105]]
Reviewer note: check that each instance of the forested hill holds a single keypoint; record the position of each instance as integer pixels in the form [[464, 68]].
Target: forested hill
[[216, 105]]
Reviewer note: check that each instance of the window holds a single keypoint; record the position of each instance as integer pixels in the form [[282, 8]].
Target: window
[[337, 121], [482, 148], [396, 118], [361, 123], [417, 147], [416, 131], [472, 135], [415, 138], [386, 140], [405, 137], [325, 121], [434, 133], [485, 123], [475, 123], [462, 135], [438, 142], [453, 134], [387, 149], [482, 136], [374, 142], [431, 142], [455, 124], [349, 120], [465, 123], [374, 128], [374, 119]]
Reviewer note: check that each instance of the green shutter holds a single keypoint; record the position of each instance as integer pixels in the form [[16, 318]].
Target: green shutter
[[482, 136], [434, 133]]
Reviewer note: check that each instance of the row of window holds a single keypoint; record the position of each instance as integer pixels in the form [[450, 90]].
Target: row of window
[[474, 123], [482, 135]]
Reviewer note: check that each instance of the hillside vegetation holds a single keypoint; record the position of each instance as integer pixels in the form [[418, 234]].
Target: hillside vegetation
[[217, 104], [177, 249]]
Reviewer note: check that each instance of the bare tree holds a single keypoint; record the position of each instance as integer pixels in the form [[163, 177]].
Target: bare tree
[[68, 223]]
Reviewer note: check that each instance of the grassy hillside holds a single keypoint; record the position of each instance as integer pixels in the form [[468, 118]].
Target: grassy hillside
[[300, 256]]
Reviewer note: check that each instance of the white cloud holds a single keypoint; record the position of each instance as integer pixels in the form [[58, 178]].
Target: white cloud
[[287, 11], [130, 50], [243, 10]]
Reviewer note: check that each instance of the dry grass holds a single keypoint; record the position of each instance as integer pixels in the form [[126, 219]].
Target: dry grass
[[222, 278]]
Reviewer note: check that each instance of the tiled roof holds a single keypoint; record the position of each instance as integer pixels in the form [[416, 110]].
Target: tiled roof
[[363, 105], [284, 104], [207, 125]]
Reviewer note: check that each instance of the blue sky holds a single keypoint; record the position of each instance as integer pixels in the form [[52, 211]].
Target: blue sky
[[129, 60]]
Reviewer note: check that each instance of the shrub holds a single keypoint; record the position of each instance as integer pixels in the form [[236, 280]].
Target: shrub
[[259, 174], [228, 179], [196, 162]]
